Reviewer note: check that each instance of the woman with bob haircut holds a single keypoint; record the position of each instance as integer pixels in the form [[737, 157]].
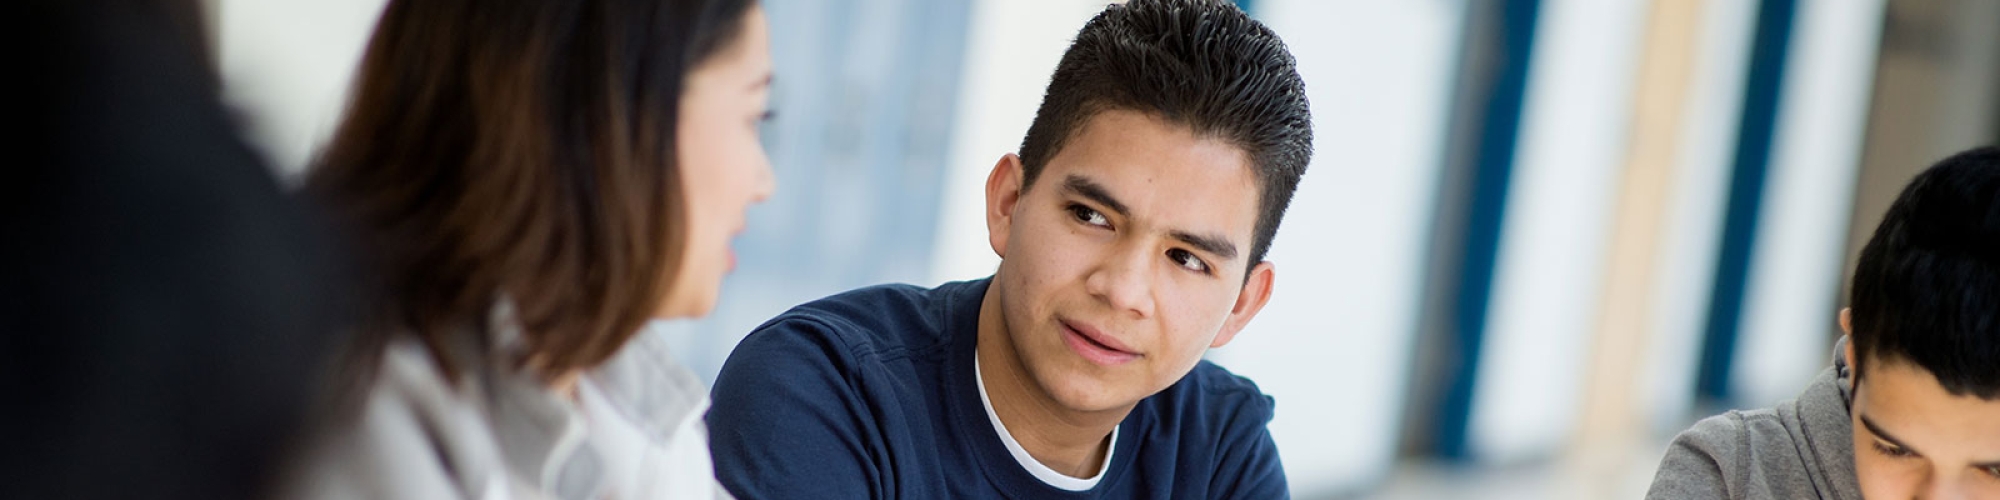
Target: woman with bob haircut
[[529, 182]]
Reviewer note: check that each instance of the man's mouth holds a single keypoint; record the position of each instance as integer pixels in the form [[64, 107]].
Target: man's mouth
[[1095, 346]]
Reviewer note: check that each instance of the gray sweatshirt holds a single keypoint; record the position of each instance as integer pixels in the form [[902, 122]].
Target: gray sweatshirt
[[1802, 448]]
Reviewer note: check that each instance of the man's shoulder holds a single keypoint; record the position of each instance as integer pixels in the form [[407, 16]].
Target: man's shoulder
[[818, 400], [879, 320], [1215, 379], [878, 306], [1722, 434], [1739, 454], [1774, 437], [868, 301], [1215, 392], [1216, 422]]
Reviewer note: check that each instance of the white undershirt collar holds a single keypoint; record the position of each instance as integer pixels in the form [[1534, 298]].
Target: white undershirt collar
[[1035, 467]]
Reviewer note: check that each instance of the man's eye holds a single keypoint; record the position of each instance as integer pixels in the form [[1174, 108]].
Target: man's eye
[[1893, 451], [1991, 470], [1088, 216], [1188, 260]]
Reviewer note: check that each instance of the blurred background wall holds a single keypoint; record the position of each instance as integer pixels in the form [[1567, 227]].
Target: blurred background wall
[[1538, 236]]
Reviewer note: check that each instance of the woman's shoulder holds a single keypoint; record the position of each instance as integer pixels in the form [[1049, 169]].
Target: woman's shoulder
[[415, 434], [649, 384]]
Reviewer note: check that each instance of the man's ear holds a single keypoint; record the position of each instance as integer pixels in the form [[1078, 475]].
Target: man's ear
[[1003, 192], [1847, 321], [1256, 293], [1847, 327]]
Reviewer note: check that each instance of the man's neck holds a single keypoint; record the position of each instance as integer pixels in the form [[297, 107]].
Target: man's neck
[[1068, 441]]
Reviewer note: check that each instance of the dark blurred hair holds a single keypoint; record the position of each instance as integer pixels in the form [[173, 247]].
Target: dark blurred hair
[[1927, 287], [1202, 64], [165, 307], [521, 149]]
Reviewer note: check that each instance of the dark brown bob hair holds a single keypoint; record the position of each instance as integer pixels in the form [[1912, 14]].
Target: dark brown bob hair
[[519, 149]]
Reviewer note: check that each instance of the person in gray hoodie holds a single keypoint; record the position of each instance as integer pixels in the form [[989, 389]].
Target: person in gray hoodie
[[1911, 406]]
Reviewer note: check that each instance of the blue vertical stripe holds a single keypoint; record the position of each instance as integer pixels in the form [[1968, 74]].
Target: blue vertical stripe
[[1493, 169], [1751, 165]]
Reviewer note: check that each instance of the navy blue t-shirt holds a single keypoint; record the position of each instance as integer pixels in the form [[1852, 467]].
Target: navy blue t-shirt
[[871, 394]]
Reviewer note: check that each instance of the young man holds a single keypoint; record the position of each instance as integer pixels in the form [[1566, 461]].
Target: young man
[[1131, 230], [1911, 406]]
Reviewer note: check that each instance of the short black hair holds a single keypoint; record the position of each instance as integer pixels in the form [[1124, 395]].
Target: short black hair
[[1927, 287], [1202, 64]]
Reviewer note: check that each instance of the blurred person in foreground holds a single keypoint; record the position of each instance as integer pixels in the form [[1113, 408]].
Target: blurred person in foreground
[[1132, 229], [531, 181], [165, 307], [1911, 406]]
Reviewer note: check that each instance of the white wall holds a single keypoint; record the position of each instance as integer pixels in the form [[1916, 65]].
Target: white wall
[[1012, 49], [286, 66]]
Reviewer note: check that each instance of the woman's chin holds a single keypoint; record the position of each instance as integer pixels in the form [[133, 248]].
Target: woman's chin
[[689, 308]]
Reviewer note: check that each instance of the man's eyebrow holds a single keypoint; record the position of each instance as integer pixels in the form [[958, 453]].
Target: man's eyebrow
[[1219, 246], [1879, 433], [1087, 188]]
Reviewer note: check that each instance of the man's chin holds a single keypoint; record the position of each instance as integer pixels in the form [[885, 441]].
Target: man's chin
[[1086, 397]]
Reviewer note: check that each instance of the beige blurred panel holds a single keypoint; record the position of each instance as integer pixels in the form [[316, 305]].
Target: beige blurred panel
[[1937, 92], [1612, 424]]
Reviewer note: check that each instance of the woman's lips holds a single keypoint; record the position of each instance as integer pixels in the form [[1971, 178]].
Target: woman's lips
[[1094, 346]]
